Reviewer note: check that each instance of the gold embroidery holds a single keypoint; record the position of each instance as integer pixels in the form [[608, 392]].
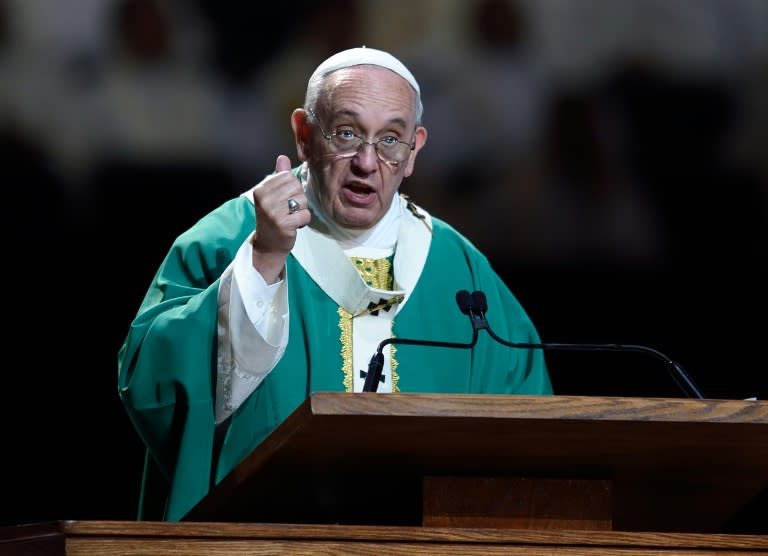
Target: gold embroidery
[[345, 324], [393, 364], [377, 273], [411, 207], [383, 305]]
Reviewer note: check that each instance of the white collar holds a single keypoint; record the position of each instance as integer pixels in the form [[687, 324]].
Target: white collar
[[317, 252]]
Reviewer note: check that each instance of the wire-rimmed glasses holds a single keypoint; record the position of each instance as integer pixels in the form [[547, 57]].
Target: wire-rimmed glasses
[[344, 143]]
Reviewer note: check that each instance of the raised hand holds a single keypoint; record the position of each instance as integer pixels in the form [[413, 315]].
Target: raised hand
[[277, 219]]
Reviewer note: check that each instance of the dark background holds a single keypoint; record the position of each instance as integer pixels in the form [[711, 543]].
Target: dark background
[[609, 159]]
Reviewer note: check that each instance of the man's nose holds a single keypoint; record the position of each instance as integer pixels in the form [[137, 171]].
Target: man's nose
[[367, 158]]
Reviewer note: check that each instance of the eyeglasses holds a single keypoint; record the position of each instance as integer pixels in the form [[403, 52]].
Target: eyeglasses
[[344, 143]]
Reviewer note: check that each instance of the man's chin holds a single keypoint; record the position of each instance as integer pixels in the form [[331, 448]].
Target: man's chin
[[357, 219]]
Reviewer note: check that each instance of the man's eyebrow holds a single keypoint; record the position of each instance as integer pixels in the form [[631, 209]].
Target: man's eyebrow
[[399, 121], [354, 114], [345, 113]]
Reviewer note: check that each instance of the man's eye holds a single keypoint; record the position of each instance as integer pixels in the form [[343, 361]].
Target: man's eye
[[345, 134], [388, 140]]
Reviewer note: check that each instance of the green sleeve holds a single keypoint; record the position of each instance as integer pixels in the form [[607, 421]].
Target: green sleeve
[[167, 363]]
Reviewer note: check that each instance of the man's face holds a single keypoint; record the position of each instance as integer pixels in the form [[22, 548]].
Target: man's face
[[372, 103]]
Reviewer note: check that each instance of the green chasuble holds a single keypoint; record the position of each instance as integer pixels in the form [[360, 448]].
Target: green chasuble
[[167, 365]]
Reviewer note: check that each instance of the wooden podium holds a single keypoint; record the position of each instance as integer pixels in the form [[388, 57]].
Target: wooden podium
[[523, 462], [468, 474]]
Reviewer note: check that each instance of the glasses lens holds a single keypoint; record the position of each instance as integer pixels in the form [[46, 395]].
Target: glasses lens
[[347, 144], [393, 152]]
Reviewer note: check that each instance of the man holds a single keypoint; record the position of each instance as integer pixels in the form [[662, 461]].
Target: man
[[289, 289]]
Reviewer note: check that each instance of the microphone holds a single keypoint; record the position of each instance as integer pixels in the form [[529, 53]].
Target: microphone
[[475, 306], [376, 365]]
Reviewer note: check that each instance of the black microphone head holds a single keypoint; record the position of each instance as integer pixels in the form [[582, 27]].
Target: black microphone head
[[479, 301], [464, 301]]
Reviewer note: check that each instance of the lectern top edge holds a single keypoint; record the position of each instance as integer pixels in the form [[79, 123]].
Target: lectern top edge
[[539, 407]]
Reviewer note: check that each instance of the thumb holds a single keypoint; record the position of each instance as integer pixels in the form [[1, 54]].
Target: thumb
[[282, 164]]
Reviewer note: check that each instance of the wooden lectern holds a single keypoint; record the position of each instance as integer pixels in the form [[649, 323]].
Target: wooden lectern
[[467, 474], [523, 462]]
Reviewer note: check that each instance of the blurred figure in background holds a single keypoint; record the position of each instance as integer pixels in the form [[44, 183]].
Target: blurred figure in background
[[491, 145]]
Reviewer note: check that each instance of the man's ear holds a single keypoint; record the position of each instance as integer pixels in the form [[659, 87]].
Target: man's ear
[[300, 125], [421, 138]]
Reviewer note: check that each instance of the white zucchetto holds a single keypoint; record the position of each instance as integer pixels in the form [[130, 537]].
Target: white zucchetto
[[362, 56]]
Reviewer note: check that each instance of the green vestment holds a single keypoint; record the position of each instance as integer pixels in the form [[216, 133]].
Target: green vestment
[[167, 365]]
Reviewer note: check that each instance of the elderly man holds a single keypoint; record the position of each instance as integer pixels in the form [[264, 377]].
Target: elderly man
[[289, 289]]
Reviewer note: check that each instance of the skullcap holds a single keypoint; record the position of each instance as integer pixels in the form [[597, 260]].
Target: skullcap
[[364, 55]]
